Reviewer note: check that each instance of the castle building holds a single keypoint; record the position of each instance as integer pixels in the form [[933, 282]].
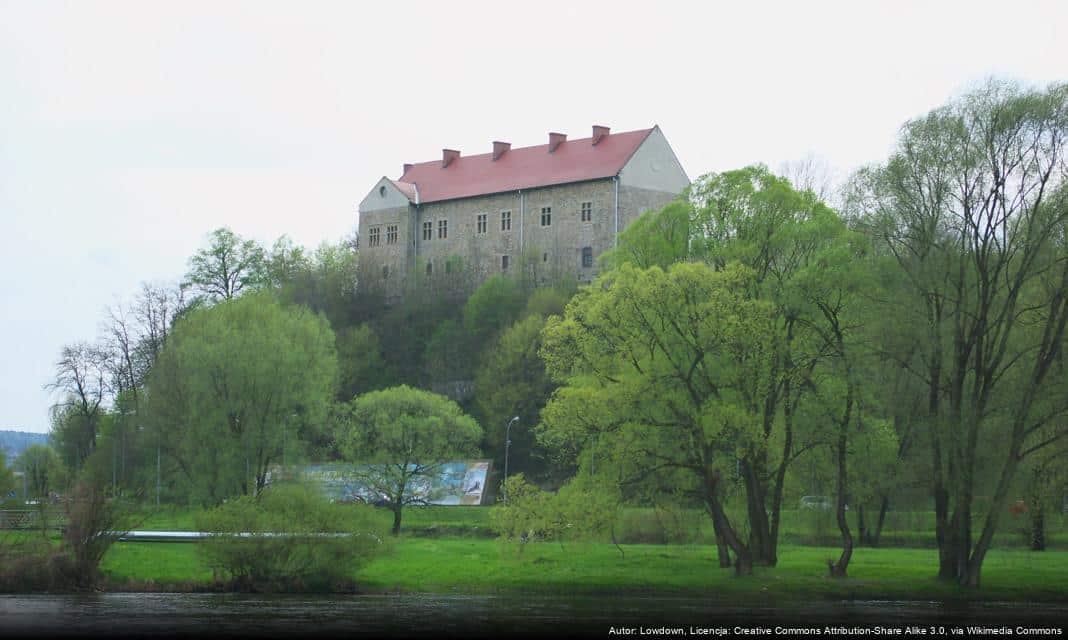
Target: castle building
[[544, 212]]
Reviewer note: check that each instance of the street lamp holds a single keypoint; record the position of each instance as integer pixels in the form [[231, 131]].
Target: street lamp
[[507, 443]]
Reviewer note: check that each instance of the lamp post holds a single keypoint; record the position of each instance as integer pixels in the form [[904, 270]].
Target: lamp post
[[507, 443]]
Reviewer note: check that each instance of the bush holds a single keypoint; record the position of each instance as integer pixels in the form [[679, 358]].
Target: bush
[[583, 509], [94, 522], [289, 538]]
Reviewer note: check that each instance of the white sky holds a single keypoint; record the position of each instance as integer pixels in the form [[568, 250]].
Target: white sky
[[129, 130]]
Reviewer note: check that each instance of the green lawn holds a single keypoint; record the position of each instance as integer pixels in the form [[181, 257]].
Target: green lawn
[[913, 529], [450, 565]]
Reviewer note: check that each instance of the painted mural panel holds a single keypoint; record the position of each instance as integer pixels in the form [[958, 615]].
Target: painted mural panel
[[457, 483]]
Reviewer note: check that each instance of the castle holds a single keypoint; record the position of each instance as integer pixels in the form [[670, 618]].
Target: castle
[[543, 212]]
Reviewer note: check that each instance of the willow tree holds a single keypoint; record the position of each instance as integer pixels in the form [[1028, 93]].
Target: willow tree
[[235, 387], [972, 205], [663, 375], [400, 439]]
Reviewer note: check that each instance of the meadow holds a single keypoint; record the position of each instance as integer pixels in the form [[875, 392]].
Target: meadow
[[451, 550]]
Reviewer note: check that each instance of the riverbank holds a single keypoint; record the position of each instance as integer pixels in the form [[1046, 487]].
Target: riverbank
[[479, 567]]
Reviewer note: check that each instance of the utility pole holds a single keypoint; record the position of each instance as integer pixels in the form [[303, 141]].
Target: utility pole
[[507, 443]]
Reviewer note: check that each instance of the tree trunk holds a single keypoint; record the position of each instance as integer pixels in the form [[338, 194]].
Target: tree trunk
[[743, 564], [883, 508], [396, 520], [722, 550], [759, 530], [1038, 527], [840, 569], [862, 531]]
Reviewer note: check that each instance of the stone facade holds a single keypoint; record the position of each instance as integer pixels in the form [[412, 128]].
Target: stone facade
[[448, 245]]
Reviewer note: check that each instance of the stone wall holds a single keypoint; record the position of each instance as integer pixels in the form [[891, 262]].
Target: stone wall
[[466, 257]]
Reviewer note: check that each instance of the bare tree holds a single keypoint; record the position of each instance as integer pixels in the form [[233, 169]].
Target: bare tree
[[813, 173], [82, 379]]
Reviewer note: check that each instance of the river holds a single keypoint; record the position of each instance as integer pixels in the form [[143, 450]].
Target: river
[[430, 615]]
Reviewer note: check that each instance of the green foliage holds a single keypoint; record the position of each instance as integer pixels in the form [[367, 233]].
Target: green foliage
[[449, 353], [227, 266], [42, 468], [359, 354], [512, 382], [285, 262], [94, 522], [400, 437], [547, 301], [7, 477], [233, 384], [659, 238], [494, 305], [525, 512], [287, 538], [586, 508]]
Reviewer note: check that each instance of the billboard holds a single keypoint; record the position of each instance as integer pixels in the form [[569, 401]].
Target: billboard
[[455, 483]]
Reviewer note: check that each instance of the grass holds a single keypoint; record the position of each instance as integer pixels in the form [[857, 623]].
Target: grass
[[914, 529], [488, 566]]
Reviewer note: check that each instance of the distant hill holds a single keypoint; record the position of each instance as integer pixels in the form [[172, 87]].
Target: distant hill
[[13, 442]]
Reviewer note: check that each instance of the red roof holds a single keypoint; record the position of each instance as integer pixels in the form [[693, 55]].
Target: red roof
[[525, 168]]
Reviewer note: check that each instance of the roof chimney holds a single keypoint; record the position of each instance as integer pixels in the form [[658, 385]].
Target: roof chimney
[[555, 139], [447, 156], [599, 132], [499, 148], [407, 168]]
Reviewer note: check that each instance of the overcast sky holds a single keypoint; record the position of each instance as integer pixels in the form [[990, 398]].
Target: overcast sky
[[130, 130]]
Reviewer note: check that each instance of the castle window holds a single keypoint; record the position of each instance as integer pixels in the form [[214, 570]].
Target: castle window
[[482, 223], [504, 263], [546, 216], [373, 237], [429, 269], [382, 191], [385, 271], [544, 257], [587, 211], [443, 229], [587, 256], [391, 234], [506, 221], [428, 230], [448, 267]]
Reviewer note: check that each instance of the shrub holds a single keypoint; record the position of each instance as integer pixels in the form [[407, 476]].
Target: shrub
[[289, 538], [94, 522], [583, 509]]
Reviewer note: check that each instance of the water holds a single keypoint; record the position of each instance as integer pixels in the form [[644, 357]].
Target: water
[[428, 615]]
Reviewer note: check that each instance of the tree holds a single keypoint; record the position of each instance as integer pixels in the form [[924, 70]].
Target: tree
[[82, 379], [666, 373], [325, 282], [227, 266], [359, 354], [42, 470], [659, 237], [969, 206], [512, 382], [399, 438], [285, 262], [758, 219], [824, 295], [493, 306], [233, 384], [7, 478]]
